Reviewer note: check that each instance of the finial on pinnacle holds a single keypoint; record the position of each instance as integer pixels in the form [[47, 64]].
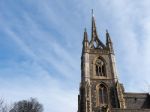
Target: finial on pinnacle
[[92, 12], [106, 31], [84, 29], [108, 37]]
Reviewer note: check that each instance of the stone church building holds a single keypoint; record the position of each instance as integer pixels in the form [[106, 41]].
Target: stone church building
[[100, 89]]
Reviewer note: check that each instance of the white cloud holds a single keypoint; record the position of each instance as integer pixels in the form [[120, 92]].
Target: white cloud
[[38, 84]]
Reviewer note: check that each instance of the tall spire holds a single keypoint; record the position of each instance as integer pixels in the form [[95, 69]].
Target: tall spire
[[94, 38], [94, 31]]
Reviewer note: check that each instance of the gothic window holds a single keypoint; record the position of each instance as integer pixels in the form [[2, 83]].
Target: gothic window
[[103, 95], [100, 68]]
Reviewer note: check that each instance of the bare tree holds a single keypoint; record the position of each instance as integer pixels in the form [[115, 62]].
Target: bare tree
[[31, 105], [3, 107]]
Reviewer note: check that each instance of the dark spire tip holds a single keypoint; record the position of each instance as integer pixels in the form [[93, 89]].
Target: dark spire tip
[[106, 31], [84, 29], [92, 12]]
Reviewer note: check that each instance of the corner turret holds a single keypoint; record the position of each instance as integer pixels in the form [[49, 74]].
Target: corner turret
[[109, 43]]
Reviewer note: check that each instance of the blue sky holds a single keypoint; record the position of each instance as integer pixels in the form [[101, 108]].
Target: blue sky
[[41, 42]]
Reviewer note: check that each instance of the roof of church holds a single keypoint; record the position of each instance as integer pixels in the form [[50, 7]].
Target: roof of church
[[142, 95]]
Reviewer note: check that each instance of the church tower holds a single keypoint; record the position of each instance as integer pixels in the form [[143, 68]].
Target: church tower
[[99, 88]]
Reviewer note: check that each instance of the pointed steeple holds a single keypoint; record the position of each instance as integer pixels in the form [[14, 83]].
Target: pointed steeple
[[94, 38], [85, 36], [108, 37], [94, 31], [85, 41], [109, 43]]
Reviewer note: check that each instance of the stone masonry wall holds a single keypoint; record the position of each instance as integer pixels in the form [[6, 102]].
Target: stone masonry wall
[[130, 110]]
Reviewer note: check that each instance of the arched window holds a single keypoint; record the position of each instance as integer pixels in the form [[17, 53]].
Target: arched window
[[103, 95], [100, 67]]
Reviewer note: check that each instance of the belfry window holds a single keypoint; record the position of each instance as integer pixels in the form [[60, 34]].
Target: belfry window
[[100, 67], [103, 95]]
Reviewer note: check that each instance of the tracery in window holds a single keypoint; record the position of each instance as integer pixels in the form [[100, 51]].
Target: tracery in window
[[103, 95], [100, 67]]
